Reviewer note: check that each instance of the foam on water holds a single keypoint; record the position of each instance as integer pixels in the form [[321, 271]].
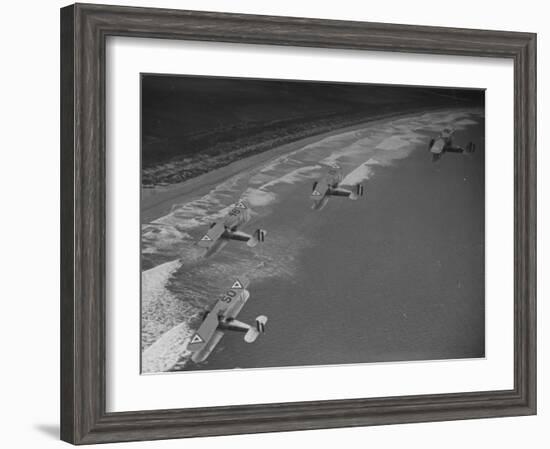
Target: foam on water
[[168, 350], [360, 174], [160, 308]]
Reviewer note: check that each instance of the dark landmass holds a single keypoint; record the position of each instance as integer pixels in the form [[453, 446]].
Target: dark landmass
[[192, 125]]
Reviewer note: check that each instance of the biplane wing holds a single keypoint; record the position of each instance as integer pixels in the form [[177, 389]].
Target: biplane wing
[[213, 234], [320, 189], [229, 305], [204, 333], [232, 301], [438, 146], [239, 214]]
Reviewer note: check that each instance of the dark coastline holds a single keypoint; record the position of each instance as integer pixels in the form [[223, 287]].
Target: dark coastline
[[193, 125], [158, 200]]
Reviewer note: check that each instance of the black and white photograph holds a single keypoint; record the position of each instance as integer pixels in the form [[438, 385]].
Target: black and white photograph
[[275, 224], [291, 223]]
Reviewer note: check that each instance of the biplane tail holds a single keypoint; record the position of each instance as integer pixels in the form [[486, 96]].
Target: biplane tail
[[357, 192], [471, 147], [253, 333], [258, 237]]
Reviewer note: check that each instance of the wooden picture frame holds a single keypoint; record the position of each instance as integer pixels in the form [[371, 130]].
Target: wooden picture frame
[[84, 29]]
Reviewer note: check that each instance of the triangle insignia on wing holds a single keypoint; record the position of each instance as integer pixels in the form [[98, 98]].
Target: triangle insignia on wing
[[206, 238], [240, 205], [237, 284], [316, 193], [197, 339]]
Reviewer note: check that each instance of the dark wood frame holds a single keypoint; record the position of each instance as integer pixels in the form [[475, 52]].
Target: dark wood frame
[[84, 29]]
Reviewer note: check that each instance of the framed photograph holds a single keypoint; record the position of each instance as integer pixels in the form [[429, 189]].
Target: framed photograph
[[274, 223]]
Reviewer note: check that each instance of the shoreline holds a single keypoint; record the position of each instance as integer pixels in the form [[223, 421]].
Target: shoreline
[[157, 202]]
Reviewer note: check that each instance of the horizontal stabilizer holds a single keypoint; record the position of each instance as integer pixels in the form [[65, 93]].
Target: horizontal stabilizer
[[253, 332], [259, 237], [358, 191]]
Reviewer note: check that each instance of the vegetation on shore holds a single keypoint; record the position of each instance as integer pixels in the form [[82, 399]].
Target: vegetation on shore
[[193, 125]]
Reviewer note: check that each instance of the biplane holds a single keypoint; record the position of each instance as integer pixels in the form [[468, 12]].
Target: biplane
[[444, 144], [222, 231], [222, 318], [330, 185]]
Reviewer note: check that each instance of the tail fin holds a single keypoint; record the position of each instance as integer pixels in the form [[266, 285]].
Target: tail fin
[[258, 237], [253, 332], [359, 190], [471, 147]]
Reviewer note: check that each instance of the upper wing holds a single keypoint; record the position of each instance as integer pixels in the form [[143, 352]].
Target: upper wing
[[239, 214], [232, 297], [320, 189], [205, 332], [213, 234], [438, 146]]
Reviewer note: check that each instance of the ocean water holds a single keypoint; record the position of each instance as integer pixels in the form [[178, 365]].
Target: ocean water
[[396, 275]]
